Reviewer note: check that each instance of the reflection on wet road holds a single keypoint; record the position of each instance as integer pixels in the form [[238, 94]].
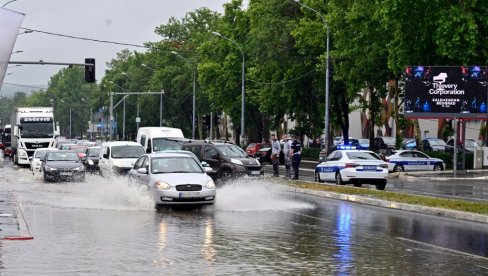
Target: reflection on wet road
[[107, 227]]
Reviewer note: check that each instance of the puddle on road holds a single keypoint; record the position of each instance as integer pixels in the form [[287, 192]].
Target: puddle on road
[[254, 195]]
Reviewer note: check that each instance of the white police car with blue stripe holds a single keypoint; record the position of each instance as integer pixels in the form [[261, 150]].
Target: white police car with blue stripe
[[349, 165], [412, 160]]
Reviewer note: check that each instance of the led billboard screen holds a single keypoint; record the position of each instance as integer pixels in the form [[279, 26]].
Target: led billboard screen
[[446, 91]]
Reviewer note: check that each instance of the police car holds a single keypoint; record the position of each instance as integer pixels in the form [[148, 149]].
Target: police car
[[350, 165], [412, 160]]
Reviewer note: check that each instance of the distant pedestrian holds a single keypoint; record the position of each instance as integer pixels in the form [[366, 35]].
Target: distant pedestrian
[[288, 154], [296, 149], [275, 154]]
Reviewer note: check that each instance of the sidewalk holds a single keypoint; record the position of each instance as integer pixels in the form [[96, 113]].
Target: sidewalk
[[12, 223]]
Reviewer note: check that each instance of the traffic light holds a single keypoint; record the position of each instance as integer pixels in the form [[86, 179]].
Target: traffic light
[[90, 70], [217, 120]]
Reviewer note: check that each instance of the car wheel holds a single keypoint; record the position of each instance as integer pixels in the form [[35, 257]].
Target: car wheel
[[226, 174], [317, 177], [338, 179], [381, 186], [438, 167], [44, 178], [398, 168]]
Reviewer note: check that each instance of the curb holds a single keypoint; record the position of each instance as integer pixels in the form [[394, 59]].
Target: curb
[[22, 227], [394, 205]]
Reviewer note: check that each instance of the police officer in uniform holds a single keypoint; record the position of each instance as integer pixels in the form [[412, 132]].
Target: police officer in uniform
[[296, 152]]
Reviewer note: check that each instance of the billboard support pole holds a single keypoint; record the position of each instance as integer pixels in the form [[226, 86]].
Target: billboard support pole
[[454, 155]]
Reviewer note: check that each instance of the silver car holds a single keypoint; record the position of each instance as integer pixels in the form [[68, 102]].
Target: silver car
[[174, 178]]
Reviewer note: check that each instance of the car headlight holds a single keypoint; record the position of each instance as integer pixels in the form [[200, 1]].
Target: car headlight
[[50, 169], [22, 153], [237, 162], [162, 185], [210, 184], [117, 163], [80, 168], [257, 162], [90, 162]]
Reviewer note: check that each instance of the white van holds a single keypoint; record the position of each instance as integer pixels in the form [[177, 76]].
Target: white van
[[118, 156], [155, 139]]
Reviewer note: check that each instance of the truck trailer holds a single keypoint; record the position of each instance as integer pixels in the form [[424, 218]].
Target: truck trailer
[[32, 128]]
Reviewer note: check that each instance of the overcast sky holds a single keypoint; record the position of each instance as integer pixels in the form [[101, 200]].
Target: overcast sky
[[124, 21]]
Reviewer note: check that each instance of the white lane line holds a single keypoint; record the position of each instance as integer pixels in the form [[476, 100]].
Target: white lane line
[[444, 248], [295, 213]]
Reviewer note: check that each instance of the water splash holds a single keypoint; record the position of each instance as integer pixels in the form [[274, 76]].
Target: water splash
[[114, 193], [253, 195]]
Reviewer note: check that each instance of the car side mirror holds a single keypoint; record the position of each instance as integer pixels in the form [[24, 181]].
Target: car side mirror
[[105, 156], [208, 169], [142, 170]]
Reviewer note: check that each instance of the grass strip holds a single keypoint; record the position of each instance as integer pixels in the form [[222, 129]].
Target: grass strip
[[452, 204]]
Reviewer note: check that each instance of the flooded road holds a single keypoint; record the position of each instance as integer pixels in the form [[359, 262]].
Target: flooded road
[[106, 227]]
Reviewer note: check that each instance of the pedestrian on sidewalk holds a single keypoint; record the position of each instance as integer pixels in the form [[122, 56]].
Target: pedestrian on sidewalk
[[296, 149], [287, 153], [275, 154]]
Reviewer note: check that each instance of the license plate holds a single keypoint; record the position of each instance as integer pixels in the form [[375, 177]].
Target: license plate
[[370, 168], [187, 194], [64, 173], [255, 172]]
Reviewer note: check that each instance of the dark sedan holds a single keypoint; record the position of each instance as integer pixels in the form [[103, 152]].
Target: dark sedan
[[91, 158], [62, 165], [264, 155]]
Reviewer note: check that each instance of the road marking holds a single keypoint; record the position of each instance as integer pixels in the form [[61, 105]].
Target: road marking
[[444, 248], [295, 213]]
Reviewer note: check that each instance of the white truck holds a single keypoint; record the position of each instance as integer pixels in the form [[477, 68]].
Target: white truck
[[32, 128]]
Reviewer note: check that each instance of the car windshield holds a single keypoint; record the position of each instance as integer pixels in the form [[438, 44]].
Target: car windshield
[[471, 144], [40, 154], [437, 142], [232, 151], [62, 156], [37, 130], [252, 145], [389, 140], [94, 152], [178, 164], [162, 144], [362, 155], [127, 151]]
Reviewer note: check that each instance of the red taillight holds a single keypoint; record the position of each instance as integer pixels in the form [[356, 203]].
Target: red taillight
[[351, 165]]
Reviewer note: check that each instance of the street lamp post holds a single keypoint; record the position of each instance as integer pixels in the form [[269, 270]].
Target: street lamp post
[[138, 119], [242, 134], [193, 100], [160, 99], [123, 112], [326, 119]]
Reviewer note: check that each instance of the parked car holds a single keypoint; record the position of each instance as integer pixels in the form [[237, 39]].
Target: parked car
[[37, 156], [412, 160], [471, 145], [409, 144], [353, 166], [226, 159], [62, 165], [253, 148], [433, 144], [91, 158], [264, 155], [380, 143], [174, 178]]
